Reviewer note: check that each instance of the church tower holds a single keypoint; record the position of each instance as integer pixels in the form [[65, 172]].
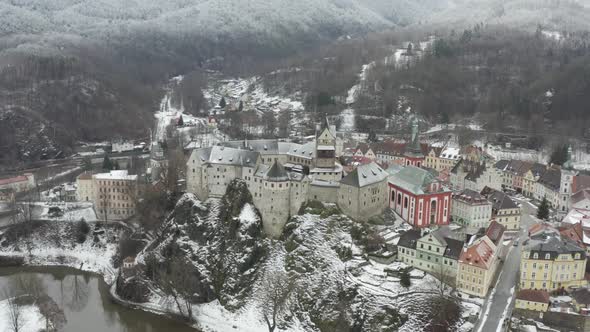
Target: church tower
[[566, 184], [413, 155]]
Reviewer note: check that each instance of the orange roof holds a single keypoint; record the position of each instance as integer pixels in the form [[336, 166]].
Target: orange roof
[[533, 295], [479, 254]]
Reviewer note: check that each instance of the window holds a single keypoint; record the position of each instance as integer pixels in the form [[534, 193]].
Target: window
[[405, 202]]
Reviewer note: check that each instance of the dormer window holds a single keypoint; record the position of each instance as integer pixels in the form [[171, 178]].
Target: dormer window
[[577, 256], [547, 256], [536, 256]]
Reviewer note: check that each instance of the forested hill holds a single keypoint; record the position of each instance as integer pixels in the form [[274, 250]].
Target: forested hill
[[89, 70]]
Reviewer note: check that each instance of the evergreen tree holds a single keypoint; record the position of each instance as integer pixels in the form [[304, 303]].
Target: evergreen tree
[[180, 121], [222, 102], [559, 155], [409, 50], [404, 278], [107, 165], [372, 136], [87, 164], [241, 106], [543, 210]]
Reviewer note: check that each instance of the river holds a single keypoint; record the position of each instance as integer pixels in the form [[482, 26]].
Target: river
[[85, 300]]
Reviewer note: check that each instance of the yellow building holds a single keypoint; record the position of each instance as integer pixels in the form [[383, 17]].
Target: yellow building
[[504, 209], [479, 261], [442, 159], [530, 299], [552, 262]]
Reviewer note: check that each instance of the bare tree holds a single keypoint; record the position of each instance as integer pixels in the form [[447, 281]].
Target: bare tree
[[445, 308], [180, 281], [277, 290], [14, 310], [55, 317], [79, 291]]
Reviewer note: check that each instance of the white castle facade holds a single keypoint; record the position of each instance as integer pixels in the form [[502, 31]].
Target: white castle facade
[[281, 176]]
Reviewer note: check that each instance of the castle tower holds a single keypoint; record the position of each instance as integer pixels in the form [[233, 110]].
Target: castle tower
[[326, 147]]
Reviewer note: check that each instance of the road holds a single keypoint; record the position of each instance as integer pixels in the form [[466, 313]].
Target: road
[[500, 303]]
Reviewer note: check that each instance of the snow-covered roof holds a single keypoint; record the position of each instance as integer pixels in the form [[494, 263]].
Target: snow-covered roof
[[116, 175], [221, 155], [450, 153], [365, 175]]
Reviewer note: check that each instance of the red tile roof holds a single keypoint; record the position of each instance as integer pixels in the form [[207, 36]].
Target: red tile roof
[[495, 231], [533, 295], [581, 182], [573, 232], [479, 254], [20, 178]]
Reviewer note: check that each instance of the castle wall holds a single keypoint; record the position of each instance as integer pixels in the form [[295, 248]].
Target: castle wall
[[363, 203], [324, 193]]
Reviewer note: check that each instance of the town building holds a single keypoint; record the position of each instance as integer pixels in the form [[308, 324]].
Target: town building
[[365, 151], [436, 252], [531, 299], [548, 186], [504, 209], [19, 183], [7, 196], [85, 187], [580, 200], [479, 261], [513, 173], [115, 195], [472, 153], [552, 262], [419, 198], [441, 159], [531, 177], [122, 146], [471, 209], [577, 233], [474, 175]]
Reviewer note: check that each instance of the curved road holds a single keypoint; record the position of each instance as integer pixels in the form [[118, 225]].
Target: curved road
[[499, 304]]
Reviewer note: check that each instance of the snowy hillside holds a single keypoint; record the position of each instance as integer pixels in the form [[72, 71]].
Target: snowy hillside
[[261, 18], [559, 15]]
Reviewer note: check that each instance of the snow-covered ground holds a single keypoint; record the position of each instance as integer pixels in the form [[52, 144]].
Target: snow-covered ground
[[52, 245], [452, 126], [31, 319], [72, 211]]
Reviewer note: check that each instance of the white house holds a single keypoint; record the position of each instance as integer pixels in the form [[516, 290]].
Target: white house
[[471, 209]]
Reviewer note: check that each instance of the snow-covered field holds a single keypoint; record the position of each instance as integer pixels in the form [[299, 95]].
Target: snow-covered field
[[30, 320]]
